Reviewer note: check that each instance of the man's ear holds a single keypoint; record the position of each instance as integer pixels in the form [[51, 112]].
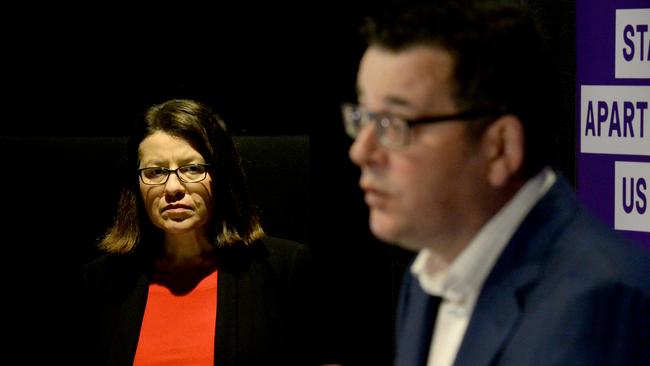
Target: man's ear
[[503, 143]]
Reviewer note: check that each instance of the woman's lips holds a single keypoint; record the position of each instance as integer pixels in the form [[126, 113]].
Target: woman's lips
[[176, 208]]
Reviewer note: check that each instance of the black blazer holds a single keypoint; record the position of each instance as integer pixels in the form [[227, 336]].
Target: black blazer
[[264, 310]]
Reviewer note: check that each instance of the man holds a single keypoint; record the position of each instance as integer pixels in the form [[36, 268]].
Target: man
[[452, 135]]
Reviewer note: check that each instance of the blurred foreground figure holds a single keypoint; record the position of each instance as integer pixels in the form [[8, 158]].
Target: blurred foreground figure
[[453, 136]]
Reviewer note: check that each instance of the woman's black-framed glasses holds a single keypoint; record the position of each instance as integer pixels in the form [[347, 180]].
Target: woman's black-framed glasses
[[191, 173]]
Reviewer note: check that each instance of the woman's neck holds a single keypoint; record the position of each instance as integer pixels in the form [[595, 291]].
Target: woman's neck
[[185, 253]]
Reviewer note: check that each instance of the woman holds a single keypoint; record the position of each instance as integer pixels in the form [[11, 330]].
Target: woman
[[189, 276]]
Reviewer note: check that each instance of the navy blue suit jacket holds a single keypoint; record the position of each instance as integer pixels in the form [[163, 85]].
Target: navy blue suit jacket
[[565, 291]]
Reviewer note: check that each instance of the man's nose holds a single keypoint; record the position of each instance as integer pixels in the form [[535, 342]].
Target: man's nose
[[365, 145]]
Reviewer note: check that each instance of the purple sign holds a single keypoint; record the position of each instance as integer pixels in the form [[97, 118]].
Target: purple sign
[[613, 113]]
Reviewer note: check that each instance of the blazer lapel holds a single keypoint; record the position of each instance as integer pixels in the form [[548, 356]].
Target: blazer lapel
[[417, 315], [498, 307], [243, 309], [227, 315], [131, 312], [496, 313]]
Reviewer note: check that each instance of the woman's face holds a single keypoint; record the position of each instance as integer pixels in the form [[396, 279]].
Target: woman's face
[[176, 207]]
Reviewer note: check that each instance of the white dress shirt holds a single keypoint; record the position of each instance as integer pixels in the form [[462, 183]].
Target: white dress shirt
[[460, 282]]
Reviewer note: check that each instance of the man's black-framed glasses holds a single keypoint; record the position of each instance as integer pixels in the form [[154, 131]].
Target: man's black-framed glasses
[[191, 173], [392, 131]]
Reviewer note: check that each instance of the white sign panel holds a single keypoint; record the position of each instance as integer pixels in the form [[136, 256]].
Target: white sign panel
[[632, 44], [615, 119], [632, 192]]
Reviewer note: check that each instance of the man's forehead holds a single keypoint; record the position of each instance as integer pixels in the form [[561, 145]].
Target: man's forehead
[[418, 77]]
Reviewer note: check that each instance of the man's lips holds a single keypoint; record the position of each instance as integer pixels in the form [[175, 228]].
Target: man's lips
[[373, 196]]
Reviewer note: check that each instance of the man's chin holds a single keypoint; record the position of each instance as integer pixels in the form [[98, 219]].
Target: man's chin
[[387, 232], [382, 229]]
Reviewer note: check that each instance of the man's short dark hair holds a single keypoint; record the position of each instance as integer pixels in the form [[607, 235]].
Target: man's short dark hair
[[500, 60]]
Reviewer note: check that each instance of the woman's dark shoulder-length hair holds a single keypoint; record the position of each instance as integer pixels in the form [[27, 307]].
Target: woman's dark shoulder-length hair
[[234, 220]]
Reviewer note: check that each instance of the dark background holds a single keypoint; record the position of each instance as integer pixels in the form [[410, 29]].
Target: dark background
[[273, 69]]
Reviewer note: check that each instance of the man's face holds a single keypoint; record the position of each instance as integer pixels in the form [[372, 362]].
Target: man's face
[[421, 195]]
